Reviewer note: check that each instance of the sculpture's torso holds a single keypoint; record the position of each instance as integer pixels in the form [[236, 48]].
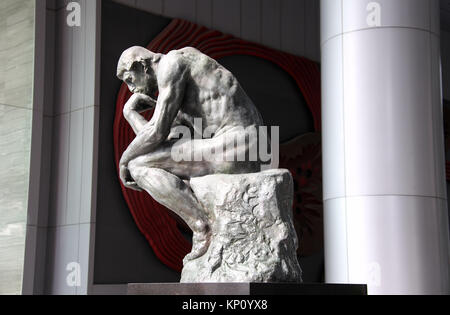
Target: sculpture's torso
[[213, 94]]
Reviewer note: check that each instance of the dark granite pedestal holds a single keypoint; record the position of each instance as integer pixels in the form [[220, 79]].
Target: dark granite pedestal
[[245, 289]]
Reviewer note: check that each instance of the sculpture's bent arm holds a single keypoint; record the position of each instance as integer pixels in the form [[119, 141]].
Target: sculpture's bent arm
[[137, 104], [136, 121], [171, 93]]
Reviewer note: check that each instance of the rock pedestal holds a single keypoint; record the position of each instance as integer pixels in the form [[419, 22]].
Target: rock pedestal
[[254, 239]]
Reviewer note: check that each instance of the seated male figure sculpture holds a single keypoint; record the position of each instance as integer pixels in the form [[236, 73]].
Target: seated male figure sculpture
[[191, 86]]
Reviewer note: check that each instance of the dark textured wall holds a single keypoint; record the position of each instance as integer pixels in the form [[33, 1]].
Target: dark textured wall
[[122, 255]]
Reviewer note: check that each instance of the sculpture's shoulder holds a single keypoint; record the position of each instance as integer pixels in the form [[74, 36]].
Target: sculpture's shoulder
[[172, 66], [190, 50], [189, 56], [184, 53]]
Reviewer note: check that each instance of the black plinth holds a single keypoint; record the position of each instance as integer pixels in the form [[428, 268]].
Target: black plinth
[[245, 289]]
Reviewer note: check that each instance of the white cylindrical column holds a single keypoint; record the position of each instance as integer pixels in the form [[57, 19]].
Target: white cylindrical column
[[386, 220]]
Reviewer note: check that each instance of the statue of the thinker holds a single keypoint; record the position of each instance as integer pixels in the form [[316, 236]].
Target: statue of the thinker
[[191, 87]]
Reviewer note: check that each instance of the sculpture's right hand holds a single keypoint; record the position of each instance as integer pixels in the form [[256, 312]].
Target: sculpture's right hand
[[133, 186], [140, 103], [125, 177]]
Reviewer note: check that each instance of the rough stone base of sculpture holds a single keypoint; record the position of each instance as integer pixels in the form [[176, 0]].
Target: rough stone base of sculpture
[[253, 236]]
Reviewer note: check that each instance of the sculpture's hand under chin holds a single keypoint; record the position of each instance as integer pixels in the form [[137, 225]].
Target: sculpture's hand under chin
[[126, 179], [140, 103]]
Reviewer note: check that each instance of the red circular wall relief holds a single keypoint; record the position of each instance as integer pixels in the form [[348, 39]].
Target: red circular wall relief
[[153, 220]]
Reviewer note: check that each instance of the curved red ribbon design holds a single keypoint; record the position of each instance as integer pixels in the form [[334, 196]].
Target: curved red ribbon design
[[153, 220]]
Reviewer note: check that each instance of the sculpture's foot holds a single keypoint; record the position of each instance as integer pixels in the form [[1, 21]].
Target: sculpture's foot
[[200, 241]]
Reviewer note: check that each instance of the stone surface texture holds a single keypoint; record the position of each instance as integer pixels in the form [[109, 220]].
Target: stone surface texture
[[253, 235]]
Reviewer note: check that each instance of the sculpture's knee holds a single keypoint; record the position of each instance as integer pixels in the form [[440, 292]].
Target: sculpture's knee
[[154, 160], [137, 169], [140, 168], [134, 163]]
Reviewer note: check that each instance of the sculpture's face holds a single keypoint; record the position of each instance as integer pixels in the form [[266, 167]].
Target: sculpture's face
[[141, 79]]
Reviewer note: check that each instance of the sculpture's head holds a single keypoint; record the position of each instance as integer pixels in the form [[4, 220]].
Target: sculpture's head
[[137, 68]]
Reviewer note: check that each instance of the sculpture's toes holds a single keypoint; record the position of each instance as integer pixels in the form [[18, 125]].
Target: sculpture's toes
[[200, 244]]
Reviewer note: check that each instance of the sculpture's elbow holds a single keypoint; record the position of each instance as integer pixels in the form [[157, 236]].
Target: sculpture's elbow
[[157, 138], [152, 135], [126, 114]]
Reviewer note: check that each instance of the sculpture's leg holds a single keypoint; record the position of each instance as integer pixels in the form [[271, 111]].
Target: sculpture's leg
[[175, 194], [164, 178]]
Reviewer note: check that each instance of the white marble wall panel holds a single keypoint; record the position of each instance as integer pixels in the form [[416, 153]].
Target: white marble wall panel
[[16, 88], [16, 52], [62, 249], [64, 134]]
